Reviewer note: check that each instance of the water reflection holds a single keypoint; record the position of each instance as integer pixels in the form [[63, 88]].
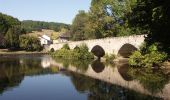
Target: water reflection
[[13, 70], [143, 81], [92, 79], [98, 90], [98, 66], [80, 65], [123, 70], [153, 80]]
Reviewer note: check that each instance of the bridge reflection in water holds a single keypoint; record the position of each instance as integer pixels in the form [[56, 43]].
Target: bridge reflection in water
[[93, 80], [116, 75]]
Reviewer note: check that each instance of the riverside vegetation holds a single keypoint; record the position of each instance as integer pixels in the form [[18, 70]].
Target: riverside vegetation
[[79, 52], [147, 57]]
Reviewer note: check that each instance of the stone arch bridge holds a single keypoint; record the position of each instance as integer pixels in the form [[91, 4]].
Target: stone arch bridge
[[121, 46]]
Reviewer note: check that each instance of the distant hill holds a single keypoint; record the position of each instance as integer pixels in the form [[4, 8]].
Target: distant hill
[[30, 26]]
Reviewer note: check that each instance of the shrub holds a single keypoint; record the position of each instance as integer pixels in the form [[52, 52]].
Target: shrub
[[109, 58], [80, 52], [154, 58], [151, 58], [84, 52], [66, 46], [62, 53], [83, 47], [136, 59]]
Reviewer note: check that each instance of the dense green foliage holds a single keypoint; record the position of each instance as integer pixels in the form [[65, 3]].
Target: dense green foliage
[[148, 57], [30, 25], [80, 52], [10, 29], [7, 22], [154, 17], [106, 18], [30, 43], [78, 28], [12, 37]]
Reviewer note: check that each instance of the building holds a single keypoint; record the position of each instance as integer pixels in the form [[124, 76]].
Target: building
[[45, 40], [62, 38]]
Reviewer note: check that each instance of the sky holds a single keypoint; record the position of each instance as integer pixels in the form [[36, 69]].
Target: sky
[[44, 10]]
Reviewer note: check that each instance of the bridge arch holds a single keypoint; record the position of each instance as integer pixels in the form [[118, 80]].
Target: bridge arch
[[126, 50], [98, 51]]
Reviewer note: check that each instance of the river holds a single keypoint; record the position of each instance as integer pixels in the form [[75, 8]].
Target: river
[[41, 77]]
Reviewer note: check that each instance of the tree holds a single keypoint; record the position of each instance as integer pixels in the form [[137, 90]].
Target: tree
[[10, 29], [111, 17], [154, 16], [106, 18], [78, 27], [3, 25], [12, 37], [30, 43]]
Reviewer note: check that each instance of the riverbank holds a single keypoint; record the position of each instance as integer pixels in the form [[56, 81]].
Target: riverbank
[[5, 52]]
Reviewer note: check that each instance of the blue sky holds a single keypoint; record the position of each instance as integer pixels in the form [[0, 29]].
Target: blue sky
[[44, 10]]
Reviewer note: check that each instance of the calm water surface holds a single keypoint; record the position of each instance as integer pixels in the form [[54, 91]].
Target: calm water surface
[[45, 78]]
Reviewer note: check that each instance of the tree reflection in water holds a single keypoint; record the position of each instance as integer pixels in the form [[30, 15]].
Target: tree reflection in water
[[152, 80], [123, 70], [13, 70], [12, 74], [81, 65], [99, 90]]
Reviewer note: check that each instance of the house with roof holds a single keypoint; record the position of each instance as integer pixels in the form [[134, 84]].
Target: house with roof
[[45, 40], [62, 38]]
